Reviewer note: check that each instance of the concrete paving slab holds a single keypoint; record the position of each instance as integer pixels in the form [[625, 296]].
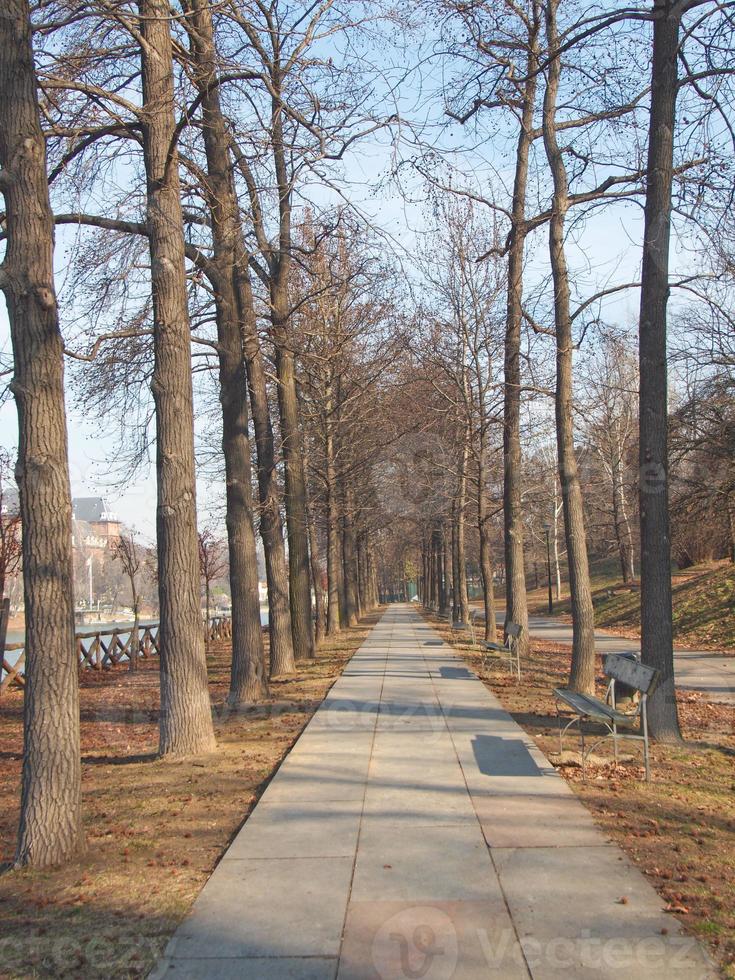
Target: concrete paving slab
[[318, 777], [419, 804], [252, 968], [533, 821], [276, 907], [404, 863], [566, 904], [298, 829], [435, 940]]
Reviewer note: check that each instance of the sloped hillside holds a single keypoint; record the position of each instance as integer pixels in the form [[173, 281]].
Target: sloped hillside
[[704, 607]]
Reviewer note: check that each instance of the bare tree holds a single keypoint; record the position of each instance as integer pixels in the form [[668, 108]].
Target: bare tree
[[50, 830], [186, 718], [657, 641], [126, 551], [235, 317]]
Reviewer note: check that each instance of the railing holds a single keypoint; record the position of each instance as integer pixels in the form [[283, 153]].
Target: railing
[[220, 628], [103, 649]]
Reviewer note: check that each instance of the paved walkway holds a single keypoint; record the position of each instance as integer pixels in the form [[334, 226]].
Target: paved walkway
[[694, 670], [415, 831]]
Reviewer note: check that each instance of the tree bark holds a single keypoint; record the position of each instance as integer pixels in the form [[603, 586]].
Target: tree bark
[[447, 570], [463, 604], [486, 562], [295, 489], [247, 677], [349, 556], [50, 830], [362, 598], [456, 615], [333, 555], [316, 579], [516, 604], [582, 674], [282, 660], [657, 644], [293, 463], [186, 717]]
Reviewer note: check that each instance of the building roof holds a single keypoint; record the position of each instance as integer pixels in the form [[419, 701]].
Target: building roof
[[93, 510]]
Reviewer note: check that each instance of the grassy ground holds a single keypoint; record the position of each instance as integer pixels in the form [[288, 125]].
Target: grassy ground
[[679, 828], [155, 830], [703, 602]]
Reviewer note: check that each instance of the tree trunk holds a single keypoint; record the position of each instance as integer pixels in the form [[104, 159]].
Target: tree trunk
[[50, 830], [288, 404], [295, 491], [463, 607], [271, 527], [341, 575], [207, 616], [349, 557], [456, 616], [333, 561], [447, 569], [617, 519], [135, 635], [657, 644], [247, 678], [333, 555], [186, 717], [363, 599], [486, 562], [516, 604], [557, 556], [316, 579], [582, 674]]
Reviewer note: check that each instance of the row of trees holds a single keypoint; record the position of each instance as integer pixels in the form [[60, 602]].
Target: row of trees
[[546, 80], [375, 426], [210, 145]]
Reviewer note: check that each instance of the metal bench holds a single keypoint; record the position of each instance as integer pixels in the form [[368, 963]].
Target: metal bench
[[511, 648], [625, 671], [459, 626]]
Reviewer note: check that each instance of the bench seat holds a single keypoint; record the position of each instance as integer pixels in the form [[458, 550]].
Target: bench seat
[[627, 671], [589, 707]]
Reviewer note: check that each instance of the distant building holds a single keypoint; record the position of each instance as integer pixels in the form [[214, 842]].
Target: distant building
[[96, 527], [10, 503]]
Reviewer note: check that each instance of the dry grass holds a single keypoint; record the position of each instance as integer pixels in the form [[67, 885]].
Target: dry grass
[[155, 830], [680, 827]]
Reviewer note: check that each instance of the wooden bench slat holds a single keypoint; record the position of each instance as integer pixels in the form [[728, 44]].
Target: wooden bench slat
[[590, 707]]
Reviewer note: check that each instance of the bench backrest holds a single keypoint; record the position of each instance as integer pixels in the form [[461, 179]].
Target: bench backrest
[[631, 672]]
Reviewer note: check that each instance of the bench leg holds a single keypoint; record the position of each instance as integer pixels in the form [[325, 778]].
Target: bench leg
[[615, 742], [562, 731], [581, 738], [646, 760]]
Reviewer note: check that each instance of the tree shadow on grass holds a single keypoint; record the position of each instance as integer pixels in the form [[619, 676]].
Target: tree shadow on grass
[[119, 760]]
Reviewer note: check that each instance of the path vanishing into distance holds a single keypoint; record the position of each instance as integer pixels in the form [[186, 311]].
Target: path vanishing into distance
[[711, 673], [415, 831]]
